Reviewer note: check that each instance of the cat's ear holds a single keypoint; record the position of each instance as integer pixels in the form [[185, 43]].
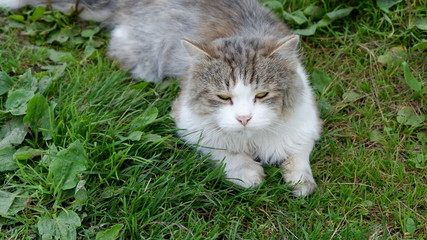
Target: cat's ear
[[194, 49], [286, 45]]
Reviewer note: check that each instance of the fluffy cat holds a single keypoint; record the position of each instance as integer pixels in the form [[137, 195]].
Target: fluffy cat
[[245, 99]]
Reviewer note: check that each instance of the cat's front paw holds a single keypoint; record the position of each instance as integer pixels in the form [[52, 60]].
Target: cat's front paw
[[302, 183], [247, 176], [302, 189], [298, 173]]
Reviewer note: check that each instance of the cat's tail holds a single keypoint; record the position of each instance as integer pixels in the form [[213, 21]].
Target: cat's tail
[[96, 10]]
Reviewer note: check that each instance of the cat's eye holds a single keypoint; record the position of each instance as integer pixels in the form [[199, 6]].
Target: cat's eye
[[261, 95], [224, 97]]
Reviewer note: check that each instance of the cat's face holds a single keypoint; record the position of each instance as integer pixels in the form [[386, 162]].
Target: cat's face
[[246, 108], [244, 85]]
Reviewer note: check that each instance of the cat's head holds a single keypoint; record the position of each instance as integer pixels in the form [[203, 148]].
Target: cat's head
[[244, 84]]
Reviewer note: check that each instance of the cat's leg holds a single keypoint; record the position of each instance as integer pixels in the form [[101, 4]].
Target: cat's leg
[[240, 168], [297, 171]]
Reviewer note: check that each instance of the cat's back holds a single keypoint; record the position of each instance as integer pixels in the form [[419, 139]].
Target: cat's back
[[147, 33], [239, 17], [204, 20]]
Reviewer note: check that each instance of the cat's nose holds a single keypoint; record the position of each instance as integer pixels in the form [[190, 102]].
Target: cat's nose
[[243, 119]]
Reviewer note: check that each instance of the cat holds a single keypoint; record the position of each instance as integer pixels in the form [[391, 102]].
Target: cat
[[245, 99]]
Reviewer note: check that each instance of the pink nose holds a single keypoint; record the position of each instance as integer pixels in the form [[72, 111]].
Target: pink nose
[[243, 119]]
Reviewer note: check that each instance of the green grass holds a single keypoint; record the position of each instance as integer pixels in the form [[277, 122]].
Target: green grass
[[131, 177]]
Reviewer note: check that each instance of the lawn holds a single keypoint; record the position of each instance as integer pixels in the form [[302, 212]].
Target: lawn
[[86, 152]]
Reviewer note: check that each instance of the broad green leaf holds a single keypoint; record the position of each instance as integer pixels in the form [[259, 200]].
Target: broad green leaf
[[340, 13], [110, 192], [89, 51], [412, 82], [49, 156], [148, 117], [309, 31], [386, 4], [6, 83], [69, 218], [16, 102], [420, 46], [37, 117], [59, 56], [367, 203], [78, 40], [67, 165], [297, 17], [57, 36], [11, 203], [38, 13], [135, 136], [394, 56], [407, 116], [421, 23], [314, 12], [422, 137], [411, 227], [61, 36], [332, 16], [61, 227], [28, 80], [419, 161], [152, 138], [376, 136], [110, 234], [45, 82], [6, 201], [15, 24], [140, 85], [320, 80], [47, 228], [323, 22], [325, 107], [351, 96], [89, 33], [275, 5], [80, 194], [12, 133], [96, 43], [18, 18], [7, 163], [46, 30], [35, 28], [17, 205], [26, 152]]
